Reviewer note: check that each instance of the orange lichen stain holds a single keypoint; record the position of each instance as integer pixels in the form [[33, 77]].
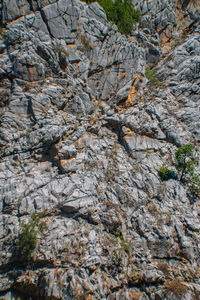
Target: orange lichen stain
[[67, 160], [179, 15], [185, 261], [168, 33], [44, 164], [166, 42], [71, 45], [128, 133], [181, 21], [78, 63], [31, 73], [132, 93], [128, 129], [90, 297], [131, 96], [167, 47], [152, 138], [22, 115], [93, 100]]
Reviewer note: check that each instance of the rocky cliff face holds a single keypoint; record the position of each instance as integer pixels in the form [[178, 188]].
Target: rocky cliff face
[[83, 135]]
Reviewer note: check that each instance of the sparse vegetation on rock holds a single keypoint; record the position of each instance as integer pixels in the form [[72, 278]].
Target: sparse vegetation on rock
[[27, 239], [176, 287], [151, 76], [120, 12], [165, 173], [184, 161], [185, 164], [58, 48], [83, 134], [87, 44]]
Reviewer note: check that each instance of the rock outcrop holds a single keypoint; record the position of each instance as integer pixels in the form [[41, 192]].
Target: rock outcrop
[[83, 134]]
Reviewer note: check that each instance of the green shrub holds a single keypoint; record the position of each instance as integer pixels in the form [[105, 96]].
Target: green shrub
[[165, 173], [120, 12], [118, 234], [184, 161], [195, 184], [151, 76], [27, 239], [185, 164]]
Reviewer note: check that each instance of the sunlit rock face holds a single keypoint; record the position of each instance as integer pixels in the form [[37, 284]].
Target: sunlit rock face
[[85, 128]]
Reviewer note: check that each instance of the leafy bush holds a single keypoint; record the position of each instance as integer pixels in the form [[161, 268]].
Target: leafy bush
[[27, 239], [184, 161], [151, 76], [195, 184], [121, 13], [165, 173], [185, 165]]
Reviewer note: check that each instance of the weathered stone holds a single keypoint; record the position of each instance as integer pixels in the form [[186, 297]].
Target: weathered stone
[[83, 136]]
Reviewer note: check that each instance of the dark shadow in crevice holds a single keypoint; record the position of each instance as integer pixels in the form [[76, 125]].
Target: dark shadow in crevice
[[184, 4], [30, 112], [50, 153], [31, 5]]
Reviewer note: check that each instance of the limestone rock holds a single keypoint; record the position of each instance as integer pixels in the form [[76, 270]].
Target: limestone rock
[[83, 135]]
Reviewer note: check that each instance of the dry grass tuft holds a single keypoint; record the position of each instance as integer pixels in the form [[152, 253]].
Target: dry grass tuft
[[176, 287]]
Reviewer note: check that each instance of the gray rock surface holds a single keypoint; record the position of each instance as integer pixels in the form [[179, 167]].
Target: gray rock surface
[[83, 134]]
